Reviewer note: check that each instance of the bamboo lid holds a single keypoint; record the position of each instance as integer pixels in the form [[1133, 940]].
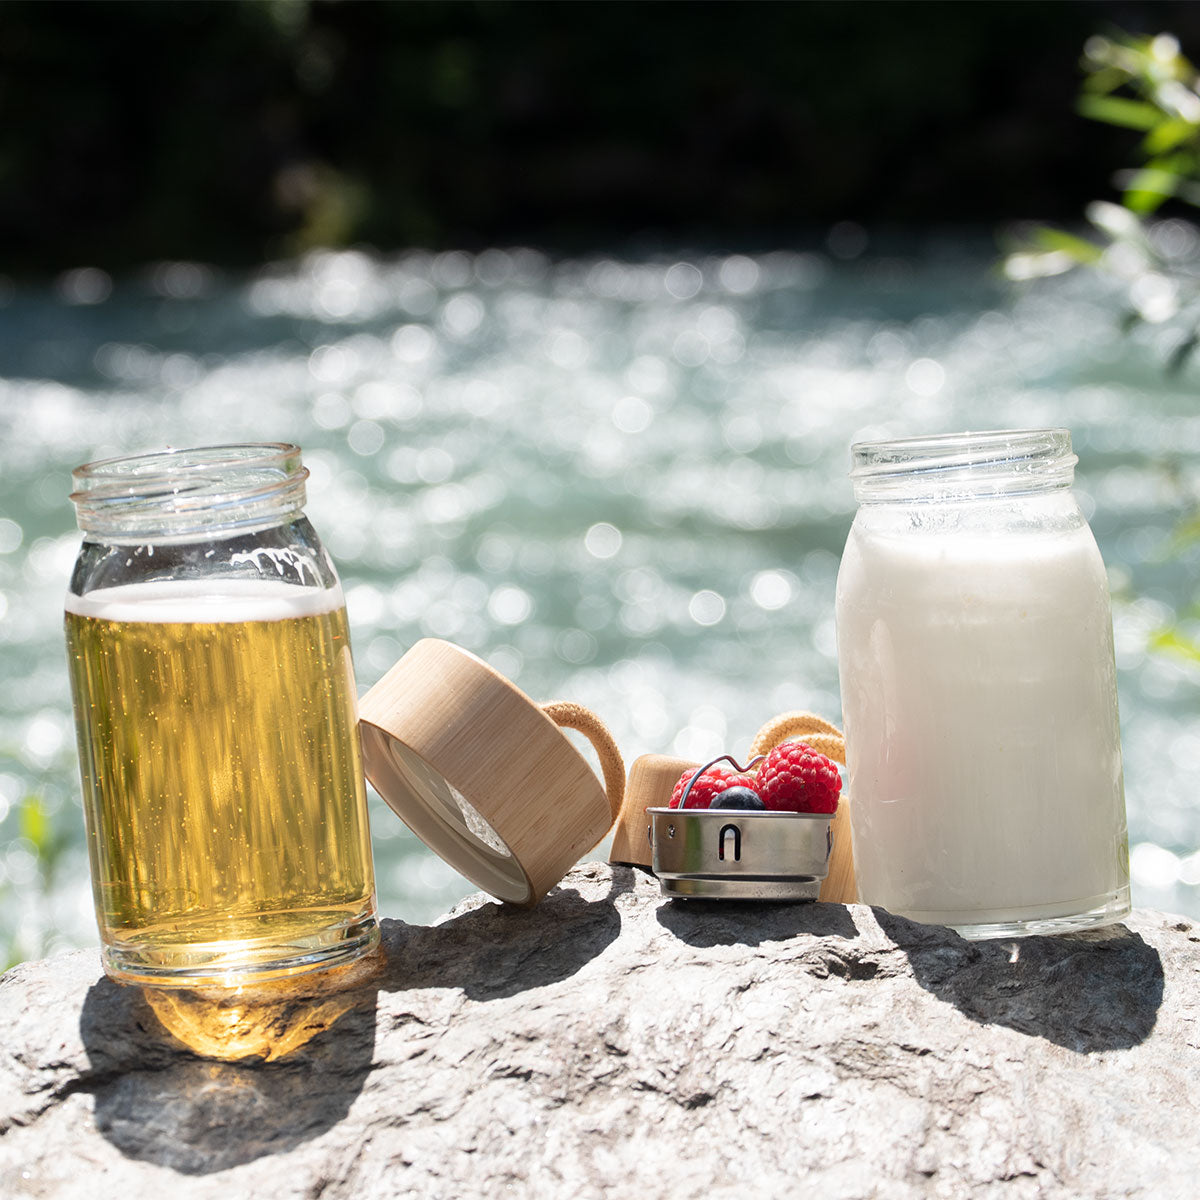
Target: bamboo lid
[[483, 775], [652, 779]]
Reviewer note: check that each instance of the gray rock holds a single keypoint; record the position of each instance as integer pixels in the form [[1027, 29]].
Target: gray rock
[[612, 1044]]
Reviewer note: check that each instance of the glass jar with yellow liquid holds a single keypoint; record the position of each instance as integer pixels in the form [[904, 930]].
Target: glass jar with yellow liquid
[[216, 712]]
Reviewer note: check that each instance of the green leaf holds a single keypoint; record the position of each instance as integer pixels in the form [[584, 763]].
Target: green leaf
[[1113, 110], [1081, 250], [1104, 79], [1169, 135], [1144, 202], [34, 824], [1148, 188], [1175, 642]]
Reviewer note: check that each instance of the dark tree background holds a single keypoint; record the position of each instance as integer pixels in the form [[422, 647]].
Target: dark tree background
[[235, 131]]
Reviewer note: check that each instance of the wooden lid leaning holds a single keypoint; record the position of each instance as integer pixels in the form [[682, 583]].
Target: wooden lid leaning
[[485, 776]]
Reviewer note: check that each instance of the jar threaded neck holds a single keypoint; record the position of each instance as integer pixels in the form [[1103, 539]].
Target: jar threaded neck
[[178, 492], [963, 466]]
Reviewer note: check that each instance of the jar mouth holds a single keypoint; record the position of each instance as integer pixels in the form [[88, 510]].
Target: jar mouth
[[169, 492], [963, 465]]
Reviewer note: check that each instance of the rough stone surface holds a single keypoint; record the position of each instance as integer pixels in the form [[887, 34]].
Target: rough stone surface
[[612, 1044]]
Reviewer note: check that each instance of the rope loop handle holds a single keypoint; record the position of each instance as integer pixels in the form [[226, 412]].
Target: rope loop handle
[[838, 886], [575, 716], [823, 736]]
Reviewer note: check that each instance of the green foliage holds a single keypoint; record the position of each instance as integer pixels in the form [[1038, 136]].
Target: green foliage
[[1133, 114], [1166, 109], [1144, 84], [36, 826], [1058, 240], [1177, 642], [37, 830]]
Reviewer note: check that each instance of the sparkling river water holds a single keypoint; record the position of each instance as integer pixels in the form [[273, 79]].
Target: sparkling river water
[[622, 483]]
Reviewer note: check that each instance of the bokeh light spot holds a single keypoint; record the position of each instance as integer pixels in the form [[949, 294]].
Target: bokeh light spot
[[86, 285], [683, 280], [631, 414], [706, 607], [603, 540], [11, 535], [925, 377], [771, 590], [739, 274], [510, 605]]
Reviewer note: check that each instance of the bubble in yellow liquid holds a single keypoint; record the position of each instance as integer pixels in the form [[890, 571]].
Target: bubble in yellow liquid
[[222, 779]]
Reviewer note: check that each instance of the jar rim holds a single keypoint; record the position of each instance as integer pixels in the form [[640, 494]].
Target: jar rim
[[175, 490], [963, 465], [283, 456], [950, 450]]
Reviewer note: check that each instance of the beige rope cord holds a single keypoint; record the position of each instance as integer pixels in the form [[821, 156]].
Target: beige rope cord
[[575, 716], [839, 885], [823, 736]]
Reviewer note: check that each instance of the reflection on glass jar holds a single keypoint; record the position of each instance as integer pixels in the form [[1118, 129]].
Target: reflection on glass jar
[[979, 690], [215, 706]]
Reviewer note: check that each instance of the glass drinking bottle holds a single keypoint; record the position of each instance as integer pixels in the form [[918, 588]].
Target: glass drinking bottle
[[216, 715], [979, 689]]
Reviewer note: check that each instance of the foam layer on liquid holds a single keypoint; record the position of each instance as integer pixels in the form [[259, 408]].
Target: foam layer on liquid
[[209, 601]]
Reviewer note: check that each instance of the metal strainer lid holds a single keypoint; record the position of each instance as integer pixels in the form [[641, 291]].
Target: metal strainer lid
[[485, 776]]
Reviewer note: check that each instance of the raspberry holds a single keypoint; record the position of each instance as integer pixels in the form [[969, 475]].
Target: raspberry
[[795, 778], [710, 784]]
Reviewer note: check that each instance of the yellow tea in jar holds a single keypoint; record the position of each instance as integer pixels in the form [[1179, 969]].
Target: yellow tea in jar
[[222, 777]]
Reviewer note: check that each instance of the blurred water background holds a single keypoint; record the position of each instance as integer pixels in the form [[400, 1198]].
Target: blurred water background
[[622, 482]]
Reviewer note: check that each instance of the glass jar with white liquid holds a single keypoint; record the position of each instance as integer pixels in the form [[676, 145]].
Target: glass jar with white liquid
[[215, 704], [979, 689]]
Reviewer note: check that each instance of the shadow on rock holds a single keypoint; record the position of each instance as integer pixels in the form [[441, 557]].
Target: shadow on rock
[[156, 1101], [160, 1097], [1099, 990], [750, 923], [496, 951]]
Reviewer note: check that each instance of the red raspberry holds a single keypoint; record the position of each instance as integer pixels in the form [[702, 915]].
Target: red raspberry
[[795, 778], [714, 781]]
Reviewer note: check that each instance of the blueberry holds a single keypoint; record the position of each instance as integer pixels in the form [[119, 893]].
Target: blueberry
[[737, 797]]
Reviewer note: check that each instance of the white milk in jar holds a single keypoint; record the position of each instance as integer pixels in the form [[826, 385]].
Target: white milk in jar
[[979, 689]]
